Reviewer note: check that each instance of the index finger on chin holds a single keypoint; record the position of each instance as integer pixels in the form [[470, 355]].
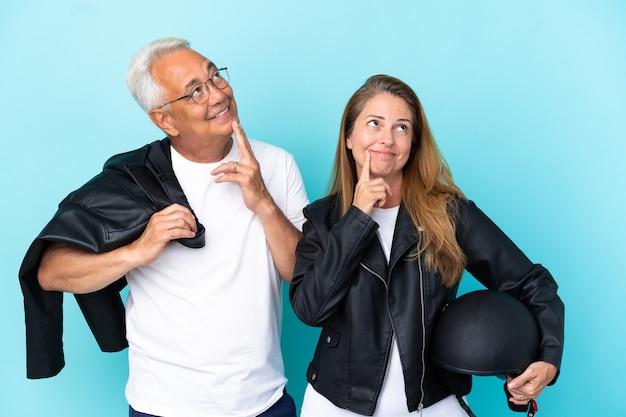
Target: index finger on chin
[[242, 140], [365, 170]]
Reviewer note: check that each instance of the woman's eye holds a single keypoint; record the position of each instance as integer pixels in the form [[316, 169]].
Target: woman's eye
[[372, 123], [403, 128]]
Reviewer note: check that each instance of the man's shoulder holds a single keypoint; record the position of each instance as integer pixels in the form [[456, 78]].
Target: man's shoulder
[[133, 157], [114, 180], [260, 148]]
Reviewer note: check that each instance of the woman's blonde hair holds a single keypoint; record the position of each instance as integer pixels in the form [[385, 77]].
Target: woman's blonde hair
[[428, 191]]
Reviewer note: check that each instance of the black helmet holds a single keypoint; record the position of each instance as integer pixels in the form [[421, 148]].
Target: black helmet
[[485, 333]]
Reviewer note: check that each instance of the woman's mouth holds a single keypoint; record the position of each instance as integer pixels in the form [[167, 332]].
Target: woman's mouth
[[383, 154]]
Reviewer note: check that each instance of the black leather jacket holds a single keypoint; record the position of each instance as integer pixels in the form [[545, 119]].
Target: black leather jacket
[[342, 282], [109, 211]]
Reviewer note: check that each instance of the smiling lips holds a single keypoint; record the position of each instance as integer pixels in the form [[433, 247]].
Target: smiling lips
[[383, 154], [220, 113]]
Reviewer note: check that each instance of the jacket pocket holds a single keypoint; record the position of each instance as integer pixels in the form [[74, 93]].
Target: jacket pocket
[[328, 358]]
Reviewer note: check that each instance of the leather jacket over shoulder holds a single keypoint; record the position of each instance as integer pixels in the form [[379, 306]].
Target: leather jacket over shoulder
[[109, 211], [343, 283]]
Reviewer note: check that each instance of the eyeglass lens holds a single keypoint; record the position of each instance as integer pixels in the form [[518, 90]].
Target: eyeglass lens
[[201, 94]]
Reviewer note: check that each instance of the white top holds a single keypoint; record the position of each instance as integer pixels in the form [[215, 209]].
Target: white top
[[386, 219], [204, 325]]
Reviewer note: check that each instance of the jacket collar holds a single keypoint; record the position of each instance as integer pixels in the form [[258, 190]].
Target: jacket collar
[[405, 236], [404, 241], [151, 169], [160, 156]]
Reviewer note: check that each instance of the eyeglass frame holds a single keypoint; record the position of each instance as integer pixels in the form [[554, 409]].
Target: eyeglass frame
[[210, 80]]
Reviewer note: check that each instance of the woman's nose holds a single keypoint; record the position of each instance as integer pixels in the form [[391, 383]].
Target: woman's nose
[[385, 137]]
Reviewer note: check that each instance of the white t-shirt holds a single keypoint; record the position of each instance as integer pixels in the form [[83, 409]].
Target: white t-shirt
[[204, 325], [392, 399]]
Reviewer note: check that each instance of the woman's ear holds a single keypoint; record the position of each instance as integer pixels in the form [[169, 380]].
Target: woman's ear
[[349, 143], [162, 119]]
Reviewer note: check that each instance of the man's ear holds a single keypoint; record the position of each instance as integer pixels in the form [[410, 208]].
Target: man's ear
[[162, 120]]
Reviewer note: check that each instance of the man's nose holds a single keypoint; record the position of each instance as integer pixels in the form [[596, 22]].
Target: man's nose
[[216, 94]]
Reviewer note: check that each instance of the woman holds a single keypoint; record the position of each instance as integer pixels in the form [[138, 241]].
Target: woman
[[383, 253]]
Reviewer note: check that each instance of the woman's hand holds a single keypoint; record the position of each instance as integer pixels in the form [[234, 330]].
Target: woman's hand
[[531, 382], [370, 193]]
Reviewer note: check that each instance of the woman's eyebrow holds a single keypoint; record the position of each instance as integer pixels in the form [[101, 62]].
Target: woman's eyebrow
[[382, 118]]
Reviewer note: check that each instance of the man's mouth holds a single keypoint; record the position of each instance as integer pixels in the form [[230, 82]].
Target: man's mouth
[[220, 113]]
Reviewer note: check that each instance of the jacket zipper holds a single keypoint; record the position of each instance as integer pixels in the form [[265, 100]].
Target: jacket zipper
[[380, 278], [375, 274], [420, 406]]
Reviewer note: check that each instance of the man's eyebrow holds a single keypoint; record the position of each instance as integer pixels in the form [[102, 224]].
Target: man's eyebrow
[[195, 81]]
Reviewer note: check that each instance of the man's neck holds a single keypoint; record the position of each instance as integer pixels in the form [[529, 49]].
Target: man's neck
[[206, 152]]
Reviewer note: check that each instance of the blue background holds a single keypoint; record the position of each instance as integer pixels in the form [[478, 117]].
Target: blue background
[[525, 98]]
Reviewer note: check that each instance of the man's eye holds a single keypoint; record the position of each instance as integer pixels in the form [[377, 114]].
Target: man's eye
[[217, 76], [196, 92]]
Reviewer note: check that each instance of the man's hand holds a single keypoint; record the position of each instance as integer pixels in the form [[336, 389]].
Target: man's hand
[[247, 173], [280, 234], [64, 268], [171, 223]]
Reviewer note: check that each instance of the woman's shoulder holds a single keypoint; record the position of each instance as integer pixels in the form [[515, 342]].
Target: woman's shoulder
[[322, 208], [323, 203]]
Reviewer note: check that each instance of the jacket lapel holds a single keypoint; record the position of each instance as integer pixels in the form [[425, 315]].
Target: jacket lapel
[[404, 241], [374, 258], [404, 237]]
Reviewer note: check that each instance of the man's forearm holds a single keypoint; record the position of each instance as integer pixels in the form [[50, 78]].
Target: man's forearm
[[68, 269], [282, 238]]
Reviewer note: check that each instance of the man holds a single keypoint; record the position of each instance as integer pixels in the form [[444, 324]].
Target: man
[[203, 314]]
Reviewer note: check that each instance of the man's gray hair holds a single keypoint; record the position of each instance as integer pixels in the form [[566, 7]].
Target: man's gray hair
[[142, 85]]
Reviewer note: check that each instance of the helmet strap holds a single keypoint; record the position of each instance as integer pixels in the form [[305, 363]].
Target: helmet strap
[[464, 406], [531, 408]]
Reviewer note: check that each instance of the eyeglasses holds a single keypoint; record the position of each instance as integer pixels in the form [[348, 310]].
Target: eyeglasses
[[200, 93]]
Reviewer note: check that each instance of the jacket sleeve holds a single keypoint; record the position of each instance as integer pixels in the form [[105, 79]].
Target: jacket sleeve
[[495, 261], [43, 310], [80, 222], [109, 211], [43, 314], [326, 259]]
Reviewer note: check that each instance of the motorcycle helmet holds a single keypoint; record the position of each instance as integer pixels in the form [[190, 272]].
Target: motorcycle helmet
[[485, 333]]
